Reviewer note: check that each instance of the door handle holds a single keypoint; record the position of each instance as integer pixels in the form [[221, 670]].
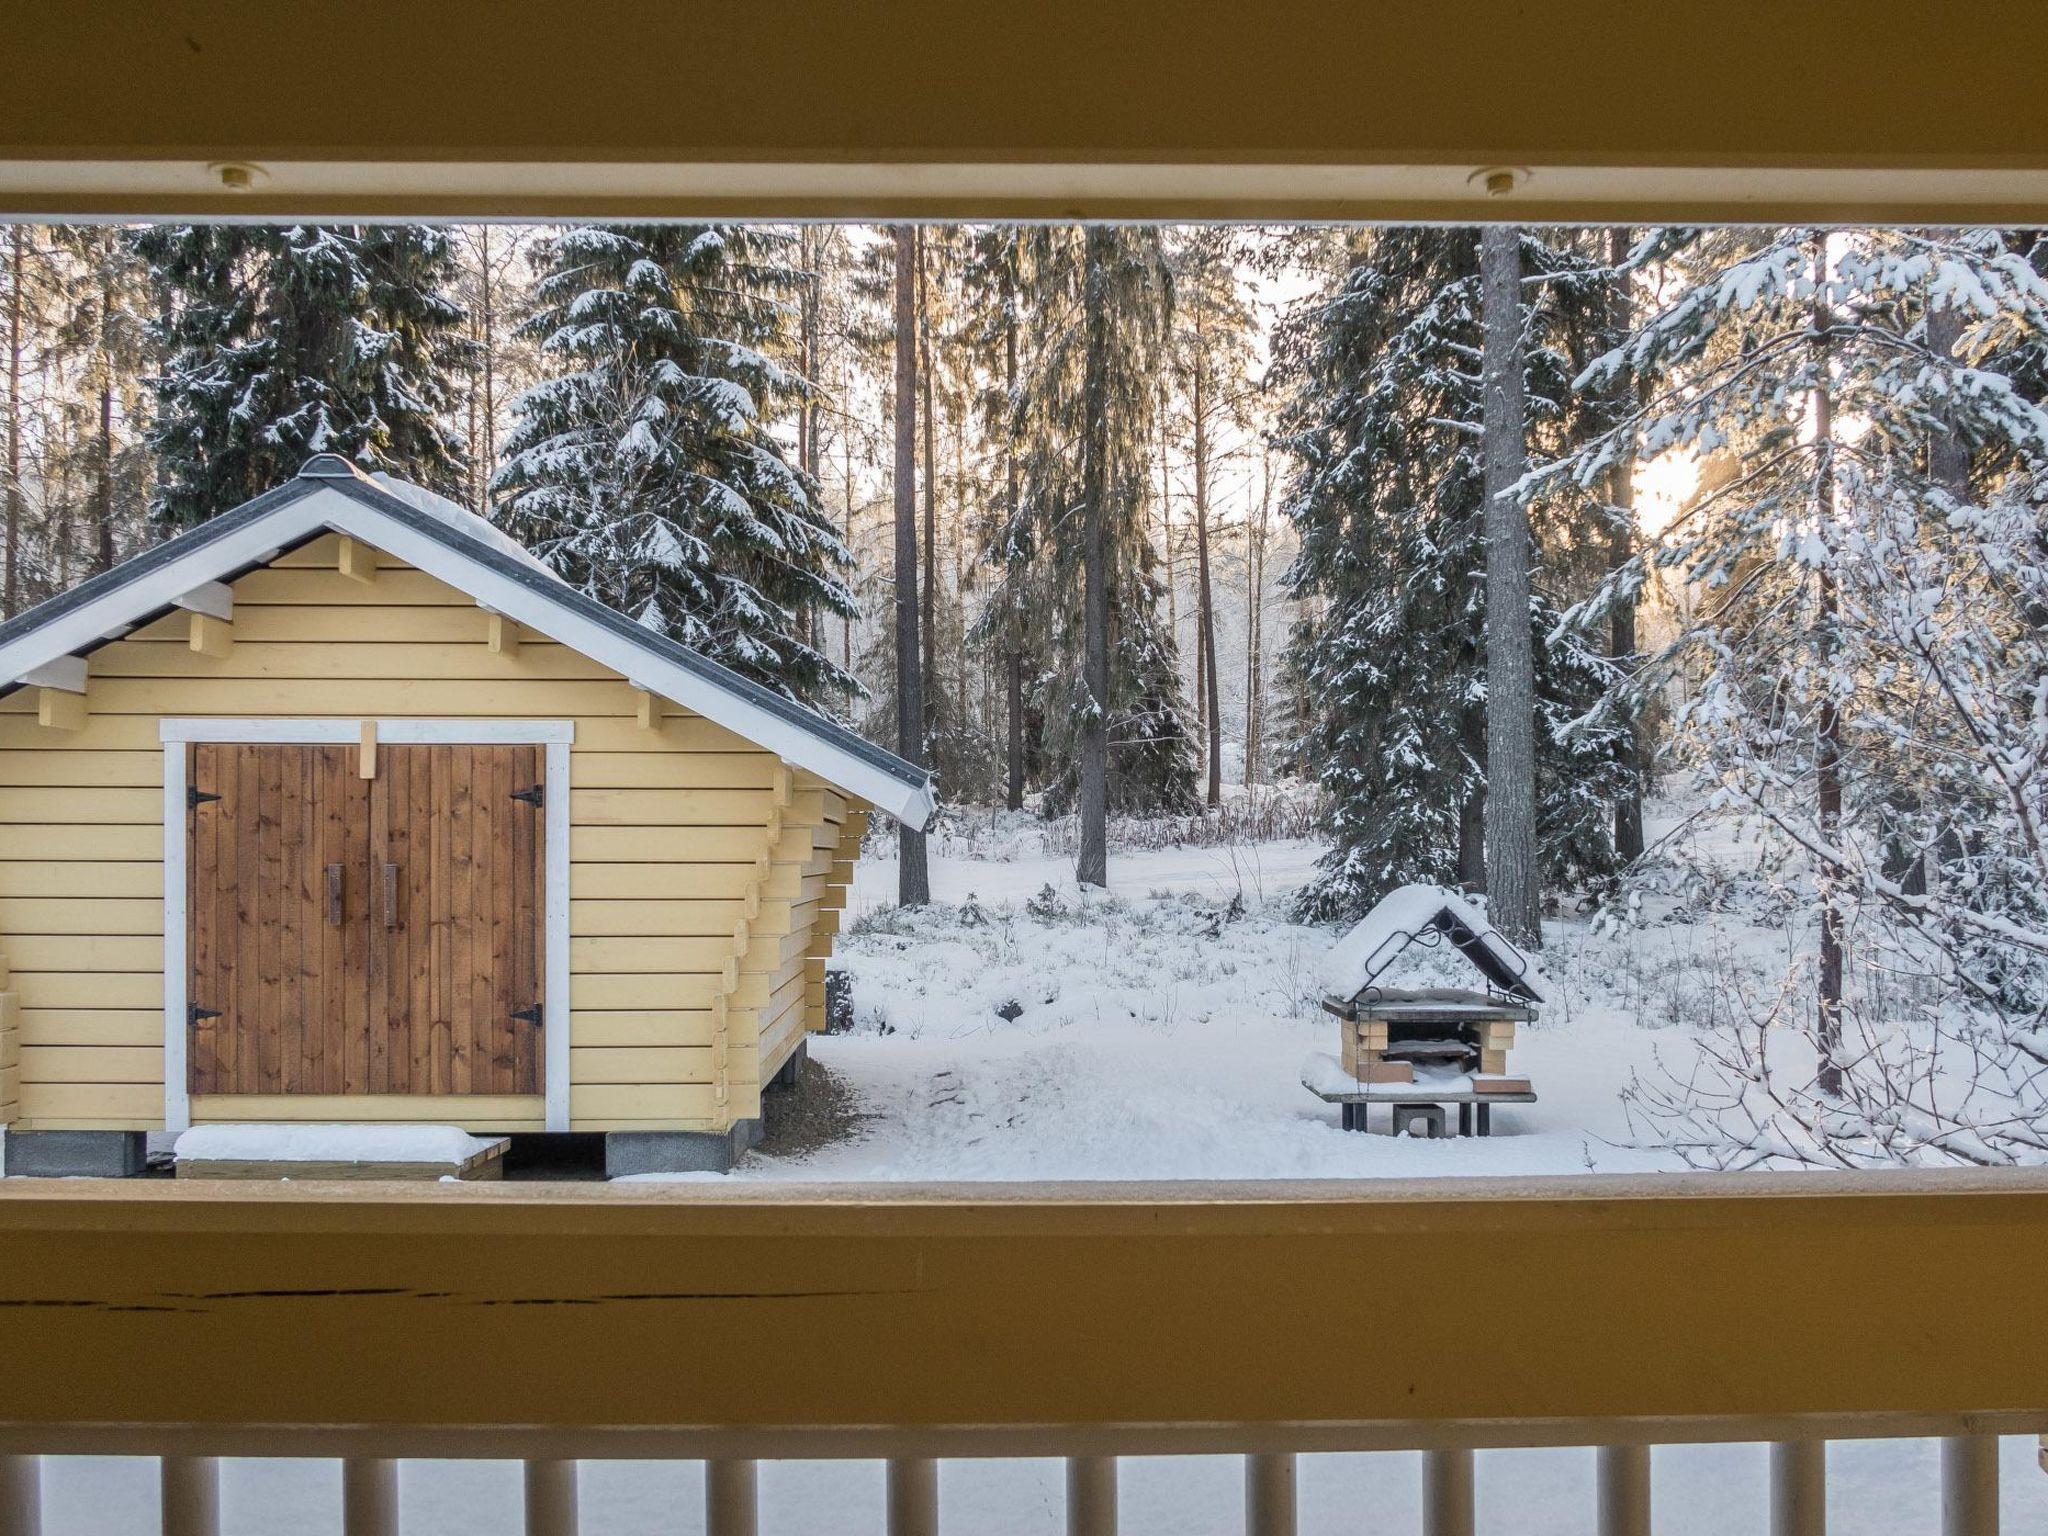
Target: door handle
[[334, 895], [390, 896]]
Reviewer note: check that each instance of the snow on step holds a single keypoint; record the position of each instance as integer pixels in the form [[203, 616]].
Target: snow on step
[[337, 1151]]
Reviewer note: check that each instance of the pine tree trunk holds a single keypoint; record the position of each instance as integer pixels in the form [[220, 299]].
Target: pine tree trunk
[[1205, 626], [488, 324], [1254, 647], [1014, 797], [913, 875], [1621, 546], [103, 488], [1166, 525], [1510, 816], [1092, 866], [931, 492], [11, 591], [1828, 731]]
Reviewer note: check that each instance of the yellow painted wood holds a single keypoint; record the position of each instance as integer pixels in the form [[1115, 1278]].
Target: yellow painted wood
[[75, 953], [325, 553], [814, 807], [104, 806], [453, 698], [639, 991], [57, 710], [645, 882], [675, 770], [341, 624], [366, 751], [369, 661], [100, 733], [677, 733], [208, 637], [672, 1027], [641, 1064], [47, 843], [92, 1123], [82, 915], [313, 588], [668, 807], [89, 989], [93, 1064], [57, 1102], [62, 766], [92, 1026], [356, 560], [642, 1101], [502, 636], [667, 845], [624, 918], [474, 1111], [44, 877], [924, 1307], [636, 955]]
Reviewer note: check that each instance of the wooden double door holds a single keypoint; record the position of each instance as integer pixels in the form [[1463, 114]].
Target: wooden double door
[[365, 935]]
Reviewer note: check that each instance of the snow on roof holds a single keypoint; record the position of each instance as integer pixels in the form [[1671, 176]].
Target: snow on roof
[[1428, 914], [463, 521]]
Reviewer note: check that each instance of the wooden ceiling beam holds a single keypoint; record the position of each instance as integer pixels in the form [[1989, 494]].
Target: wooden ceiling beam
[[1303, 109]]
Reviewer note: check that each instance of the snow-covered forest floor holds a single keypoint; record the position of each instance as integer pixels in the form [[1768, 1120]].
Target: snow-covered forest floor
[[1159, 1032]]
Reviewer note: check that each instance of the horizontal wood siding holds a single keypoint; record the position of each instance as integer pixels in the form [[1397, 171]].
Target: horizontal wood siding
[[701, 867]]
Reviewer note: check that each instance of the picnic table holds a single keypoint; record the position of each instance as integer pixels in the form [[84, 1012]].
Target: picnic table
[[1323, 1075]]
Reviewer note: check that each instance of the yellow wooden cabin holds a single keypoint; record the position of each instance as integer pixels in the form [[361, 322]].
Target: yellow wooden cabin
[[341, 807]]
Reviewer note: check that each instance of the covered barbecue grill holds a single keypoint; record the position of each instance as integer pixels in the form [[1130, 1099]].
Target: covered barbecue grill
[[1420, 1048]]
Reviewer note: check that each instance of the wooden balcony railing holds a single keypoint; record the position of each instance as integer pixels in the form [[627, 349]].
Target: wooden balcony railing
[[736, 1323]]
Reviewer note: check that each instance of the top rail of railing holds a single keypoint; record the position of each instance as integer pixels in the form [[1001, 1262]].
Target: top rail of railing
[[704, 1318]]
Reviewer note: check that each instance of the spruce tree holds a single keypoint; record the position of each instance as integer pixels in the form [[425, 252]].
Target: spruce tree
[[1082, 385], [644, 468], [1382, 417], [283, 341], [1805, 682]]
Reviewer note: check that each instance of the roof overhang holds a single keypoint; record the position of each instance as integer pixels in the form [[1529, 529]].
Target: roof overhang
[[131, 594]]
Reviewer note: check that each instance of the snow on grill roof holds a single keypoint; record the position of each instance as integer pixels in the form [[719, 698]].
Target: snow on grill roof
[[1428, 914]]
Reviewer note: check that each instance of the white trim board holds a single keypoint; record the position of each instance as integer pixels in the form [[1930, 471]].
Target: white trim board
[[555, 735]]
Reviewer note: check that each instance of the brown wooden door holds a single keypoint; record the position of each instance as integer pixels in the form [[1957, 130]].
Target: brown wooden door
[[352, 935]]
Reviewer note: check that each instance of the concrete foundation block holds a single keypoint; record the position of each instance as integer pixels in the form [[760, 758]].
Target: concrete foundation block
[[75, 1154], [628, 1152]]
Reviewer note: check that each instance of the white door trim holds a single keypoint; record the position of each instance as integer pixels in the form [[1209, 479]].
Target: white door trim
[[555, 735]]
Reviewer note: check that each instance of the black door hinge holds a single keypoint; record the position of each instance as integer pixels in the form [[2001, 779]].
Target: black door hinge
[[195, 797], [529, 1015], [532, 797], [195, 1013]]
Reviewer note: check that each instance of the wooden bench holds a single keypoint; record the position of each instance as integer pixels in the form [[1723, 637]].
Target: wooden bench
[[1324, 1076]]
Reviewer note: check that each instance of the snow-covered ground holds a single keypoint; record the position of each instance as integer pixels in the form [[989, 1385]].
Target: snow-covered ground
[[1159, 1032]]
